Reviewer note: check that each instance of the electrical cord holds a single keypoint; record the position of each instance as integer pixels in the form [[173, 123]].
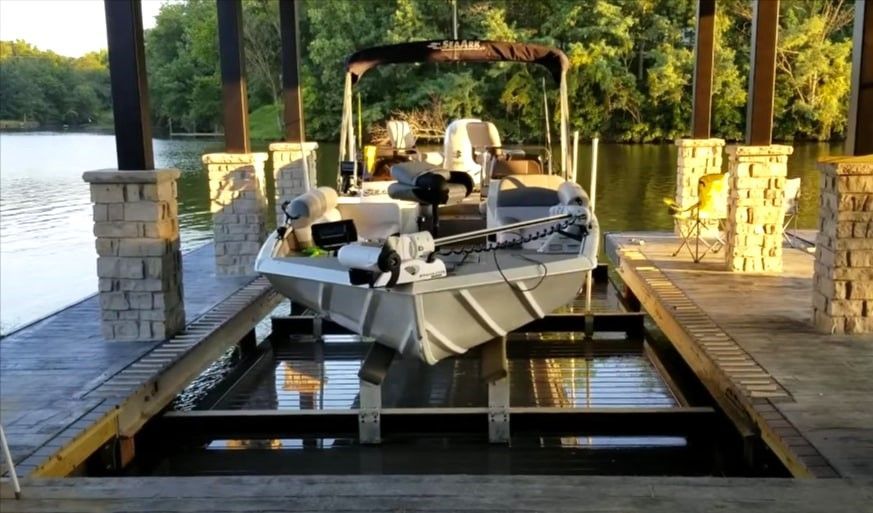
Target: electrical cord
[[516, 285]]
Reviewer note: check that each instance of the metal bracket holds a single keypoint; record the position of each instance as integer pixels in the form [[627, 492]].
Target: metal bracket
[[495, 370], [498, 411], [369, 413]]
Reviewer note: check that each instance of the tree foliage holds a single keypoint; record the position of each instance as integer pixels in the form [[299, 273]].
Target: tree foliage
[[52, 89], [631, 70], [631, 74]]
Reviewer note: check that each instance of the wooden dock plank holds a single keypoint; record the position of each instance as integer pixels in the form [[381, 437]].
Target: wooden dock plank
[[821, 384], [51, 370], [439, 493]]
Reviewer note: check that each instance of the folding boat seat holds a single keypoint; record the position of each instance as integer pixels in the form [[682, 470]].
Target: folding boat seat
[[521, 197], [400, 134], [429, 185], [508, 164], [498, 162]]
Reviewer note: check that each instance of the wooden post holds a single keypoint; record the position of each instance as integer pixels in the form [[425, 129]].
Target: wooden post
[[289, 28], [233, 82], [704, 53], [762, 76], [859, 140], [127, 74]]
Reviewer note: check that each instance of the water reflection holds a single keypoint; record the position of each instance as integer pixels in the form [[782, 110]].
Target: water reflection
[[605, 379], [46, 241], [615, 375]]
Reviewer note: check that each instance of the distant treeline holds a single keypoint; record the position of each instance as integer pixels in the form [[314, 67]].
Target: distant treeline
[[631, 75], [46, 88]]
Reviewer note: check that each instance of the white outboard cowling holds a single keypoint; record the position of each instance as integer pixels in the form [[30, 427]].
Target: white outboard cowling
[[457, 148]]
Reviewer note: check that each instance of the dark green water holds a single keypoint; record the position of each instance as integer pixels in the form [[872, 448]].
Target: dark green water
[[47, 256]]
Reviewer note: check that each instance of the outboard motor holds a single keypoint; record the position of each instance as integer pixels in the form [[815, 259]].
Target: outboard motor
[[458, 150]]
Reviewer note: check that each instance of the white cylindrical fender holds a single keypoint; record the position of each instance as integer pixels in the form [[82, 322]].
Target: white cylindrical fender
[[312, 205]]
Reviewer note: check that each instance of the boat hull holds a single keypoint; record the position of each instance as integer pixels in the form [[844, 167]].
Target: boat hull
[[436, 324], [485, 296]]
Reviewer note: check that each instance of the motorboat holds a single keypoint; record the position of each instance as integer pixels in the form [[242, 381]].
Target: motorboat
[[374, 256]]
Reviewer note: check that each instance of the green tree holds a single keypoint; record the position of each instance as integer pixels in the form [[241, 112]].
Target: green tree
[[629, 80], [52, 89]]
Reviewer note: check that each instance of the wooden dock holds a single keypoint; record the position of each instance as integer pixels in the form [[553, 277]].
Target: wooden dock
[[65, 391], [750, 339], [378, 493]]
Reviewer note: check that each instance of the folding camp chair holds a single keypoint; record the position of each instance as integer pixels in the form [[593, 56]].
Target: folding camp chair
[[791, 203], [711, 206]]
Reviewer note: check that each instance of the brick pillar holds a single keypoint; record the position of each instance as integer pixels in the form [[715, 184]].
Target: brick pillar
[[843, 280], [139, 264], [288, 171], [696, 157], [239, 208], [755, 207]]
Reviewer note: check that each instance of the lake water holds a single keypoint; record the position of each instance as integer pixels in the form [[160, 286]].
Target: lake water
[[47, 256]]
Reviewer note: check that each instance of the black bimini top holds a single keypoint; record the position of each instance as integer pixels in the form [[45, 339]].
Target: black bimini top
[[457, 51]]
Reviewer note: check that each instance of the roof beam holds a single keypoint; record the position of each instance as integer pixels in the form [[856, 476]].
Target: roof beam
[[233, 81], [762, 75], [704, 53], [859, 140], [127, 75], [293, 100]]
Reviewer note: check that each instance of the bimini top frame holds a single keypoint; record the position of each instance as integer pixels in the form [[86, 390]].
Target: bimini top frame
[[453, 51]]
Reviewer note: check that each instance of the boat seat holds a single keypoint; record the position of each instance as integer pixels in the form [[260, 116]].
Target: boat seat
[[512, 164], [384, 162], [400, 135], [528, 190], [428, 184], [519, 198]]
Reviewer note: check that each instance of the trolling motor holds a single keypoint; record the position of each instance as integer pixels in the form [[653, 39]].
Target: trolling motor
[[411, 257], [397, 260]]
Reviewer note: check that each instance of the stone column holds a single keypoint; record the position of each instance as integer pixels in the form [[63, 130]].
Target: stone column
[[139, 264], [843, 280], [755, 207], [239, 207], [696, 157], [288, 171]]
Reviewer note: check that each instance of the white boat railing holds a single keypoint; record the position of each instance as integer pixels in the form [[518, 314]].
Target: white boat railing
[[592, 198]]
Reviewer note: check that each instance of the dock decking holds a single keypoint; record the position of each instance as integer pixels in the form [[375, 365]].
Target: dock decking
[[63, 388], [750, 339], [442, 493]]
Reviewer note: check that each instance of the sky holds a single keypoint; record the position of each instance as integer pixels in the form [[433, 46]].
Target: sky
[[66, 27]]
